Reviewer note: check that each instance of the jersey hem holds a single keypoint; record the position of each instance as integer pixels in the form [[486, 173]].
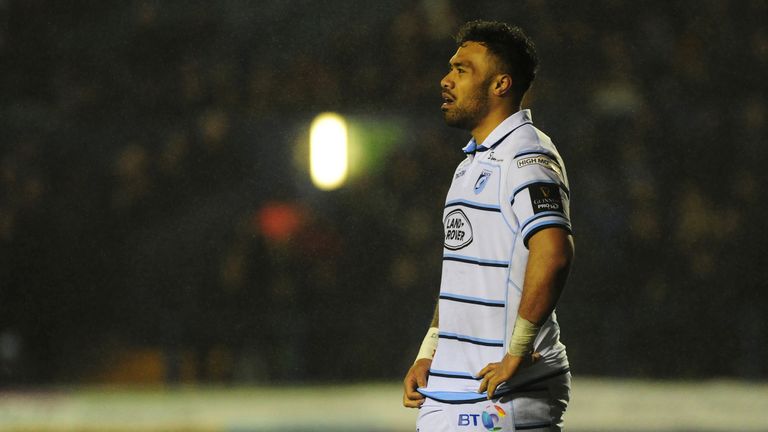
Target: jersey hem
[[453, 397]]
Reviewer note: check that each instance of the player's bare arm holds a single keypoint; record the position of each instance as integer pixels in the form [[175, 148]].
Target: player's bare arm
[[418, 373], [550, 254]]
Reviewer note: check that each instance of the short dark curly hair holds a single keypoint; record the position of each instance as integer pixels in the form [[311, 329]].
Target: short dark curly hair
[[514, 50]]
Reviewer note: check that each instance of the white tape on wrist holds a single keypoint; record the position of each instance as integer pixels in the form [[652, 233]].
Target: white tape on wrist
[[523, 337], [429, 345]]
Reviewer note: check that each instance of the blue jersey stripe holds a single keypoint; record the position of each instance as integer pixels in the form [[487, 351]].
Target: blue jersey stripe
[[473, 300], [473, 205], [559, 214], [452, 374], [476, 261], [454, 397], [471, 339], [545, 224]]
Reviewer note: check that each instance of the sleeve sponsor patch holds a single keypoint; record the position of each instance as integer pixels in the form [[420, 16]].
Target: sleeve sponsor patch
[[545, 197], [542, 160]]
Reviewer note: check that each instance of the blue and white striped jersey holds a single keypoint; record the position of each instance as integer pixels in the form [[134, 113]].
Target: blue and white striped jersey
[[508, 188]]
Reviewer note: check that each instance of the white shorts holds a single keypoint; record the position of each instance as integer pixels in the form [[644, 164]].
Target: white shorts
[[539, 409]]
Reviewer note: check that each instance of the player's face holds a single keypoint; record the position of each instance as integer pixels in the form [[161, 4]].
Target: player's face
[[466, 87]]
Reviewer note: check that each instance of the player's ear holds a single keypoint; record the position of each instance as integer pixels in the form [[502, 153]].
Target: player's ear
[[502, 84]]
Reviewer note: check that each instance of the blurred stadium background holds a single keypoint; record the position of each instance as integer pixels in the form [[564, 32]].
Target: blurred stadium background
[[166, 262]]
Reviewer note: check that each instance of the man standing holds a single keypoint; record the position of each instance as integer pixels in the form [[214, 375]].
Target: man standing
[[492, 358]]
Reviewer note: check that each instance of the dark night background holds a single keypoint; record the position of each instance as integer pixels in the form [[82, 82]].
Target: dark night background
[[157, 223]]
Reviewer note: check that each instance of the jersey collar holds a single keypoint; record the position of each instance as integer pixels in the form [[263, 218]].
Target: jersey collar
[[500, 132]]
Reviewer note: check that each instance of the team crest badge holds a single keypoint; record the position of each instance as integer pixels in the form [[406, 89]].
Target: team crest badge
[[482, 181]]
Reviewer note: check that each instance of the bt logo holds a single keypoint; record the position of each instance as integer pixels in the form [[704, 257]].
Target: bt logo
[[468, 419], [489, 418]]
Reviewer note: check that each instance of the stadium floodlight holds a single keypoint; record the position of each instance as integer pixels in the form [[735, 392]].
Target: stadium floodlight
[[328, 151]]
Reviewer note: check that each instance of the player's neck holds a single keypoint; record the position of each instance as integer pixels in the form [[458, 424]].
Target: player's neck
[[491, 121]]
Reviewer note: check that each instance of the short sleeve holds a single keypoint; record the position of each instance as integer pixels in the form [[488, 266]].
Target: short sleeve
[[540, 196]]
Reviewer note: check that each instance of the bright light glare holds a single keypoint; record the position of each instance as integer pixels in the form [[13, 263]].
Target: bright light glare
[[328, 151]]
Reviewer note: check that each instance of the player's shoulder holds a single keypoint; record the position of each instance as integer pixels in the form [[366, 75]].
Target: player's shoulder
[[533, 154], [525, 139], [533, 141]]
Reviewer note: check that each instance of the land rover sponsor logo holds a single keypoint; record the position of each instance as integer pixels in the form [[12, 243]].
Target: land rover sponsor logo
[[458, 230], [539, 160], [545, 197]]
